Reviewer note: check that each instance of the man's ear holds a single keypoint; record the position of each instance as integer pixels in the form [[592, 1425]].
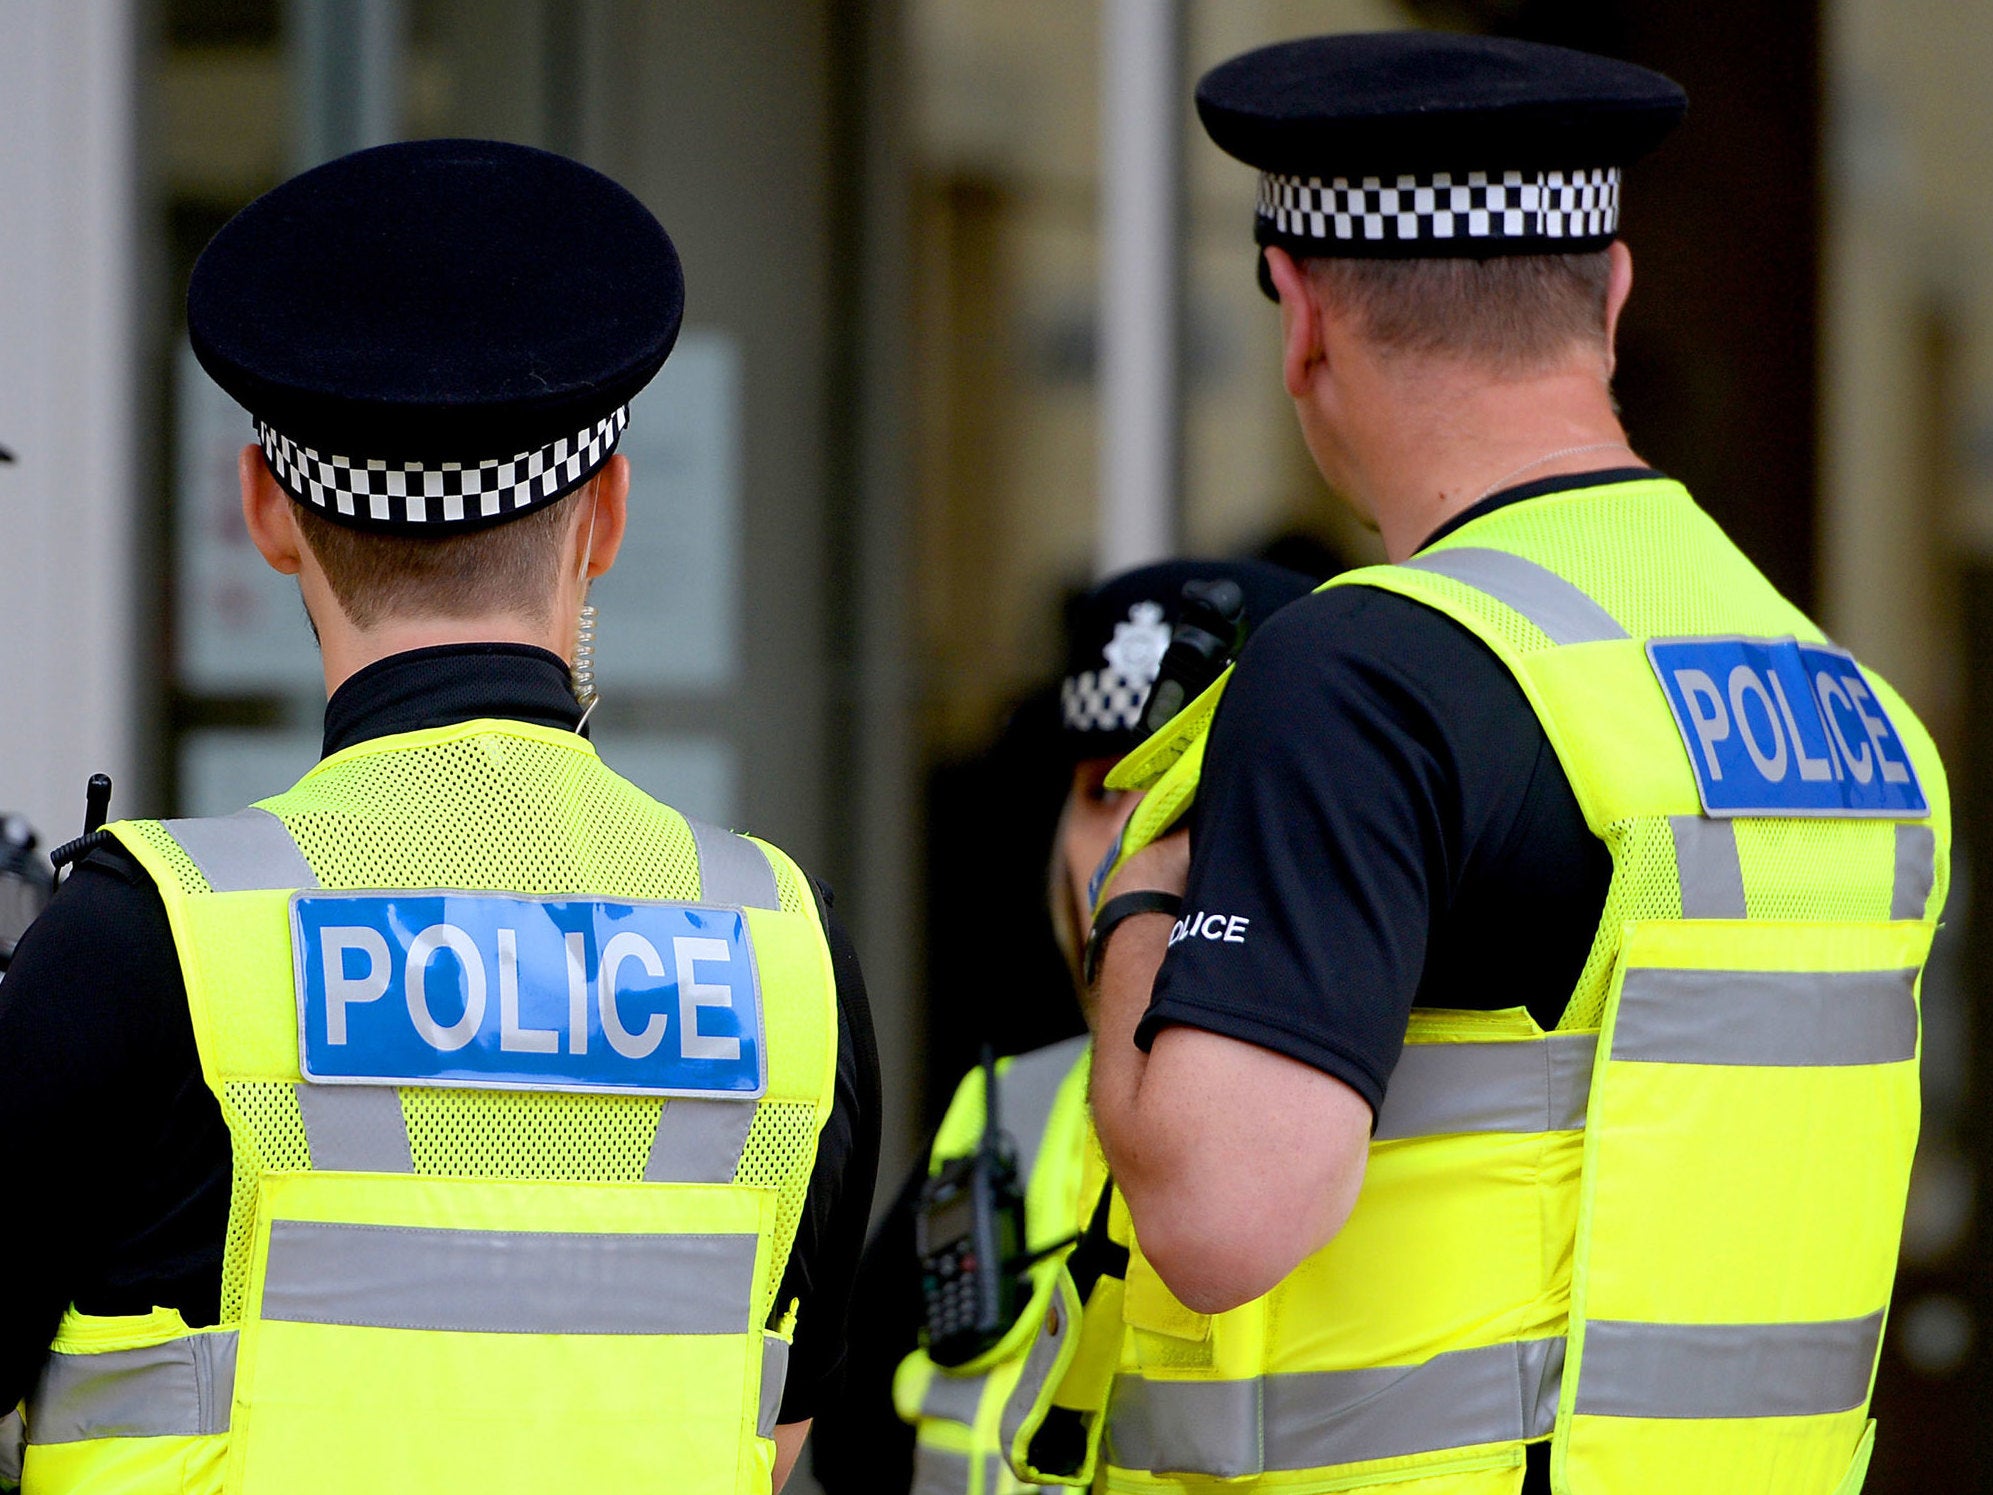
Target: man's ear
[[266, 510], [1302, 344], [602, 533], [1618, 286]]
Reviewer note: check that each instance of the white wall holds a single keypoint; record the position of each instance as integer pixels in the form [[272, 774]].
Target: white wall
[[69, 504]]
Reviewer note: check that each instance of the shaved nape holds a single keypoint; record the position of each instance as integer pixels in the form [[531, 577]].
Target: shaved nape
[[1511, 313], [513, 567]]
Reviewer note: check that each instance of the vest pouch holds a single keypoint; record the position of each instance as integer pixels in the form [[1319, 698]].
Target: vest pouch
[[1753, 1114], [1044, 1442], [137, 1402], [409, 1332]]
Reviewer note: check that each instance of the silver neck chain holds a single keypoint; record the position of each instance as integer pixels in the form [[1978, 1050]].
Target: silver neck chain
[[1570, 451]]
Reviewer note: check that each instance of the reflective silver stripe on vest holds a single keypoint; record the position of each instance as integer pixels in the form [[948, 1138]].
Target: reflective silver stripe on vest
[[698, 1141], [1315, 1419], [180, 1389], [355, 1128], [953, 1398], [1706, 862], [774, 1376], [246, 852], [1916, 870], [732, 869], [1726, 1370], [1535, 1085], [508, 1282], [13, 1441], [1766, 1017], [941, 1471], [1027, 1089], [1556, 607]]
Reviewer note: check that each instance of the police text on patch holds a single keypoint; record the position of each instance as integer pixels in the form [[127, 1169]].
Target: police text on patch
[[1777, 727], [499, 990]]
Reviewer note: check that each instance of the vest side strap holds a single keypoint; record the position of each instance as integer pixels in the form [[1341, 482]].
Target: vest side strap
[[181, 1389], [1916, 870], [508, 1282], [774, 1376], [1706, 862], [1726, 1370], [355, 1128], [698, 1141], [13, 1441], [732, 869], [1770, 1018], [1026, 1092], [1534, 1085], [246, 852], [1556, 607]]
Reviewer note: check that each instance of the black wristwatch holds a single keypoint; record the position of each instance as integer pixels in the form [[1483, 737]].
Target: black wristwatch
[[1112, 912]]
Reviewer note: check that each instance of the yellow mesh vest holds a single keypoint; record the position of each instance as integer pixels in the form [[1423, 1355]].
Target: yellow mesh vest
[[957, 1412], [469, 1289], [1663, 1234]]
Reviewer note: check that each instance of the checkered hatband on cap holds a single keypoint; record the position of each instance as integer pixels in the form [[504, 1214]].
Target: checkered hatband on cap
[[1102, 701], [1550, 207], [438, 495]]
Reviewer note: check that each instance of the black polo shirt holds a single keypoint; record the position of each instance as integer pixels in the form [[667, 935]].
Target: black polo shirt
[[1381, 823], [118, 1158]]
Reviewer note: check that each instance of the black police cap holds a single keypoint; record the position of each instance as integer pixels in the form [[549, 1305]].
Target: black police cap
[[1415, 144], [1116, 633], [440, 334]]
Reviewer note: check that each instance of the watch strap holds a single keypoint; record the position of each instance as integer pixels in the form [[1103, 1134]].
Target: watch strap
[[1112, 912]]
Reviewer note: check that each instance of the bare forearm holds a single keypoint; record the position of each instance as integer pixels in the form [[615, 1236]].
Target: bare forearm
[[1236, 1162]]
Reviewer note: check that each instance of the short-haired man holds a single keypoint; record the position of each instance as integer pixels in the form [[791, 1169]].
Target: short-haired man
[[1545, 1109], [461, 1119]]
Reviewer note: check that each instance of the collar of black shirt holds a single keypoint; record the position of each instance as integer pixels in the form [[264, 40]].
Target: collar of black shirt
[[1562, 483], [447, 684]]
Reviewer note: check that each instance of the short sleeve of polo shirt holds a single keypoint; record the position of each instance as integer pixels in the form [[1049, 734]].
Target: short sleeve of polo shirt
[[1380, 823]]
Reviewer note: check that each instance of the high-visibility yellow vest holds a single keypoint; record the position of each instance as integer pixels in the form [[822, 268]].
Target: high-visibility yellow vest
[[445, 1287], [957, 1412], [1663, 1235]]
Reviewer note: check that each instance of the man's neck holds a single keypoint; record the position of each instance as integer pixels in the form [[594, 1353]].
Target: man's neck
[[1429, 446]]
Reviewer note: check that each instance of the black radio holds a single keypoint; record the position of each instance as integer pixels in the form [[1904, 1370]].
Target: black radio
[[1210, 627], [969, 1232]]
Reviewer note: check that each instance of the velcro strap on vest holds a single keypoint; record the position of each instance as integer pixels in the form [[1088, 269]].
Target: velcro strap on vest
[[180, 1389]]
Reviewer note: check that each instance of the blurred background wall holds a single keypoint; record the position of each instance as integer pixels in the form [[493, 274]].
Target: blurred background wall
[[876, 464]]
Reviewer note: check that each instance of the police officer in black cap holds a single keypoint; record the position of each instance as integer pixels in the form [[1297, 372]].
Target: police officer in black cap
[[1117, 635], [1463, 1107], [462, 1118]]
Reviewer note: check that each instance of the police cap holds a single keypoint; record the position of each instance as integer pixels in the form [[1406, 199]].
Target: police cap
[[437, 335], [1116, 633], [1418, 144]]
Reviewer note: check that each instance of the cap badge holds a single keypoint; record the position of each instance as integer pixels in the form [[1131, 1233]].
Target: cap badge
[[1137, 648]]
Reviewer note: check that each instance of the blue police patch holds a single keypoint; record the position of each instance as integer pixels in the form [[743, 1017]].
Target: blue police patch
[[507, 992], [1777, 727]]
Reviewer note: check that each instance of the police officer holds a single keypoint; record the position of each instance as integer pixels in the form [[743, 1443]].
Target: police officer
[[461, 1118], [1526, 1084], [1116, 635]]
